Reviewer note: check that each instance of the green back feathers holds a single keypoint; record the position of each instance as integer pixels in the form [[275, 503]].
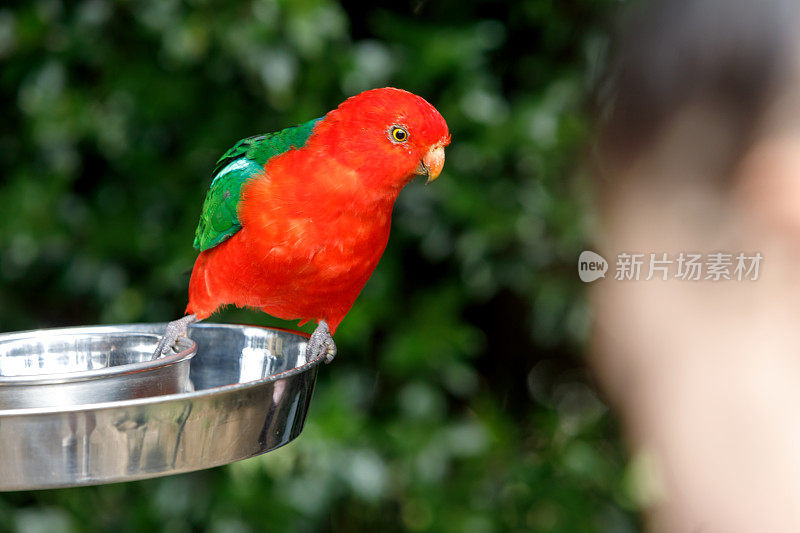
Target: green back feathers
[[260, 148], [219, 219]]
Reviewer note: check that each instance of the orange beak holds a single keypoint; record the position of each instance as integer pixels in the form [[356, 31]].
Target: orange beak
[[432, 163]]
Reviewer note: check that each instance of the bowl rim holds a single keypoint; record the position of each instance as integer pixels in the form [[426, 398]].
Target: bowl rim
[[152, 401], [187, 345]]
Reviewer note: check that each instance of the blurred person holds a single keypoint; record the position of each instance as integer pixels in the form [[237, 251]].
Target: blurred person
[[698, 154]]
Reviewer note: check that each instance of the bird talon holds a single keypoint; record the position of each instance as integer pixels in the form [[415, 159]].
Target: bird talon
[[330, 353], [321, 344], [173, 331]]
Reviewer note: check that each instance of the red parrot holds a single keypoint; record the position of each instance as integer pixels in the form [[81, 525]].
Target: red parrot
[[296, 221]]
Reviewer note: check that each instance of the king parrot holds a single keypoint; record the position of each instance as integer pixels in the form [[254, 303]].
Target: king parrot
[[296, 221]]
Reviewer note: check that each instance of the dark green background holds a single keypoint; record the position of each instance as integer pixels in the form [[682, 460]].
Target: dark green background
[[459, 401]]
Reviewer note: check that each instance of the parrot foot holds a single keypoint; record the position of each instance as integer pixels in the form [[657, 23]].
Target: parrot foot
[[175, 329], [321, 343]]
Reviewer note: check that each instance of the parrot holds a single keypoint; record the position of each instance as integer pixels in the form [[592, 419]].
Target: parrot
[[295, 221]]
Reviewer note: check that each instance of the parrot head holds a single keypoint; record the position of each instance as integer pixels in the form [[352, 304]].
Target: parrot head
[[388, 135]]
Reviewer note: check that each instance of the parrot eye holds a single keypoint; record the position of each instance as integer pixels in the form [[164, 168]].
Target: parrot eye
[[398, 134]]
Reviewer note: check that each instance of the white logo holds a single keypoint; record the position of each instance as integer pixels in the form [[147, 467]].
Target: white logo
[[591, 266]]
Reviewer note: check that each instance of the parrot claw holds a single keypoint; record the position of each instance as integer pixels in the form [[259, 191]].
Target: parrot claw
[[321, 343], [175, 329]]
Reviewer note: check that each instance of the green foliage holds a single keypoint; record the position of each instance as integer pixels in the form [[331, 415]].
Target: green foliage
[[458, 401]]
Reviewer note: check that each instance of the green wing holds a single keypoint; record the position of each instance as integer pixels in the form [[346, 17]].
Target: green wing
[[219, 219]]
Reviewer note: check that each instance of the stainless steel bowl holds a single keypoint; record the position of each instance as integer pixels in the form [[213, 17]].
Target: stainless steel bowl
[[251, 391], [71, 366]]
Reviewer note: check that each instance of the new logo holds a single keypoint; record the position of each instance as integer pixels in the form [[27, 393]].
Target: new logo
[[591, 266]]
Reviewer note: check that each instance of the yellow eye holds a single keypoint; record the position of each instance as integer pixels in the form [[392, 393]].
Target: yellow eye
[[399, 134]]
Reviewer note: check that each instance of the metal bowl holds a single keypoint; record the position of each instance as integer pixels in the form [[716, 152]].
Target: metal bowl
[[69, 366], [251, 391]]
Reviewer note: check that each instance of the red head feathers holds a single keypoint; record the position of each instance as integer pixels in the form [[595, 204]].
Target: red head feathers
[[388, 134]]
